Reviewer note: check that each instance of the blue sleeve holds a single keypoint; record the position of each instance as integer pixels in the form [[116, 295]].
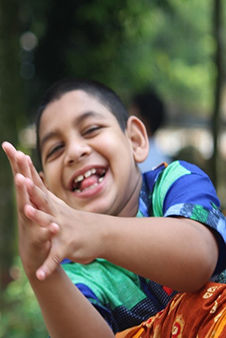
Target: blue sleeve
[[192, 188], [193, 196]]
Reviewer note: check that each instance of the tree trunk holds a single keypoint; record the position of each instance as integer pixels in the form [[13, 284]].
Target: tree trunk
[[11, 114], [218, 86]]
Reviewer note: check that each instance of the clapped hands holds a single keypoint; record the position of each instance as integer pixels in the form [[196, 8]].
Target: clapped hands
[[49, 229]]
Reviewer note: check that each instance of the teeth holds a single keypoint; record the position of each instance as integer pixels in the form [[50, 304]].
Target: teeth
[[79, 178], [87, 174]]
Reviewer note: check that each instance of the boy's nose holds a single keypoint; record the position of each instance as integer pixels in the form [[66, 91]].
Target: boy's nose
[[76, 152]]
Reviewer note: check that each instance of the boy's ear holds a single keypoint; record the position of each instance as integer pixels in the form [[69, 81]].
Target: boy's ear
[[137, 134]]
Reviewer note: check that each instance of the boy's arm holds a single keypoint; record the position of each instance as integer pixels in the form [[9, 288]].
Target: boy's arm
[[67, 313], [165, 249], [177, 252]]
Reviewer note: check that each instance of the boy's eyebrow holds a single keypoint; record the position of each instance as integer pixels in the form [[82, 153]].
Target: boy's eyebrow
[[77, 121], [86, 115], [48, 136]]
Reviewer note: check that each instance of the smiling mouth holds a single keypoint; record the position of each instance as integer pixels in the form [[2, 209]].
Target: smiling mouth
[[89, 180]]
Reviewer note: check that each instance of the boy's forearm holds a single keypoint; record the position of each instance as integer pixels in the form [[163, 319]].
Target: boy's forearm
[[179, 253], [166, 250], [67, 313]]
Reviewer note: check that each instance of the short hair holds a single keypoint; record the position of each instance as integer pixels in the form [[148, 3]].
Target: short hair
[[102, 93], [150, 108]]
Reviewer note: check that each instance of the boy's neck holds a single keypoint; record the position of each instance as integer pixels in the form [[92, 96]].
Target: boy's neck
[[131, 208]]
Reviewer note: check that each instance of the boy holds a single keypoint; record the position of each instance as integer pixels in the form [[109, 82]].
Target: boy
[[89, 151]]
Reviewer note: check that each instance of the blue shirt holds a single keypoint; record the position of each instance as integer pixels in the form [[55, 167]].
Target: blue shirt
[[125, 299]]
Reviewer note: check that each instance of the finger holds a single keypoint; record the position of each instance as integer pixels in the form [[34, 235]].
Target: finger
[[35, 176], [22, 164], [51, 263], [42, 237], [28, 159], [54, 228], [11, 152], [41, 218], [46, 234], [21, 193], [18, 160], [37, 196]]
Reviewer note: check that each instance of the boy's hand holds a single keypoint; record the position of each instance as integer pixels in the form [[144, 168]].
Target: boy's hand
[[79, 236], [40, 216], [34, 241]]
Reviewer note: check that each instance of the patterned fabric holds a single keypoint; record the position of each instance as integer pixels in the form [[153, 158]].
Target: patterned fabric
[[125, 299], [182, 189], [201, 314]]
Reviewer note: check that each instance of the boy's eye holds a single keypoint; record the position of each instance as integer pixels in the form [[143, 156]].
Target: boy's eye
[[54, 151], [91, 130]]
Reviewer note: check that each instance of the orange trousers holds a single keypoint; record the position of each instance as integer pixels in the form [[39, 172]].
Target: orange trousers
[[188, 315]]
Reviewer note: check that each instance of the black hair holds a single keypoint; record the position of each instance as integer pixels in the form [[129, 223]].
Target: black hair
[[151, 109], [102, 93]]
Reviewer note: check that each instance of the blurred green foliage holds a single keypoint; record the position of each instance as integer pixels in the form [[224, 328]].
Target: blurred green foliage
[[127, 45], [20, 316]]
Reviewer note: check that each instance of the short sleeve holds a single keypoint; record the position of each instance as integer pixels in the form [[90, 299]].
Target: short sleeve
[[185, 190]]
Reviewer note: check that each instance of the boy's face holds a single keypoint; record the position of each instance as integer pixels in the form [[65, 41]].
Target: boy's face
[[88, 161]]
